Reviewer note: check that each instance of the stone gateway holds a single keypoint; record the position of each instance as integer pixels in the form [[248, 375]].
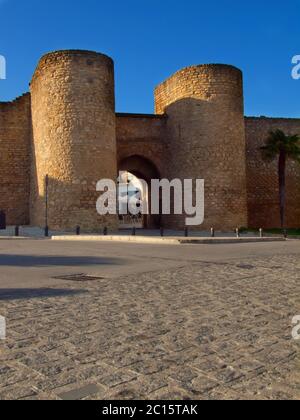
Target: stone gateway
[[67, 128]]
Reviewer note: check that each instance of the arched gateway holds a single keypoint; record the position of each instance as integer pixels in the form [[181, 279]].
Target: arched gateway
[[137, 168]]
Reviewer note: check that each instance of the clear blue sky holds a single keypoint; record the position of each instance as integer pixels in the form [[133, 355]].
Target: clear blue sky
[[149, 40]]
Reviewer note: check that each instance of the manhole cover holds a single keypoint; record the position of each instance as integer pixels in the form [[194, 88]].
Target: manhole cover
[[78, 277]]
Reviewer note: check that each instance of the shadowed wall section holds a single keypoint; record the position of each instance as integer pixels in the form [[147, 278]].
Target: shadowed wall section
[[143, 135], [262, 177], [15, 136]]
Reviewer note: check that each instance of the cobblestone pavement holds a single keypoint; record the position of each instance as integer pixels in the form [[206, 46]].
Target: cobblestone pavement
[[203, 331]]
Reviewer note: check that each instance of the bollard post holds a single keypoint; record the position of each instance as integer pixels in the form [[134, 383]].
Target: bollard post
[[105, 231], [237, 231], [17, 231], [212, 232], [186, 232], [261, 233], [46, 231], [77, 230], [2, 220]]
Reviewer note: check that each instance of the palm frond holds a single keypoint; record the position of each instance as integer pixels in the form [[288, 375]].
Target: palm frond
[[278, 142]]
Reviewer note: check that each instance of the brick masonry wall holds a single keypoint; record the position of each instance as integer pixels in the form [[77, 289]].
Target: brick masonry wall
[[262, 178], [74, 138], [77, 139], [144, 136], [15, 135], [206, 139], [141, 149]]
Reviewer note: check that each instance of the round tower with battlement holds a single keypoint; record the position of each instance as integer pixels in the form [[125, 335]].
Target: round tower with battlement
[[206, 139], [74, 138]]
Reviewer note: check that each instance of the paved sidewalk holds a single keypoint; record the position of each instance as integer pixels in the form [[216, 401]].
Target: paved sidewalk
[[210, 330]]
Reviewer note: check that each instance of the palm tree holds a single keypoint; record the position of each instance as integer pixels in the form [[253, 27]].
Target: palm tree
[[282, 147]]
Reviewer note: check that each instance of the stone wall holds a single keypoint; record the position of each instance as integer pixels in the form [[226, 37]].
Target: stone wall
[[144, 136], [141, 149], [206, 139], [15, 135], [67, 129], [262, 177], [74, 138]]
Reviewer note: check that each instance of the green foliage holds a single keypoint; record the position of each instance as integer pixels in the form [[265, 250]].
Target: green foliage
[[278, 142]]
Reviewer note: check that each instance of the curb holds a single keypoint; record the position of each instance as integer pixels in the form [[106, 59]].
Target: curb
[[164, 241]]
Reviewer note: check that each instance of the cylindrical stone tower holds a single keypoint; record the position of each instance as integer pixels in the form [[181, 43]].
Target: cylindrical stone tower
[[74, 138], [206, 140]]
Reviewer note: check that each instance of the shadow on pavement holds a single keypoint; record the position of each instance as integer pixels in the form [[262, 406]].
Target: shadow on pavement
[[19, 294], [53, 260]]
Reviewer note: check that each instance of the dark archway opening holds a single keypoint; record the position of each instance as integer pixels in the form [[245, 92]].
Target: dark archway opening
[[140, 168]]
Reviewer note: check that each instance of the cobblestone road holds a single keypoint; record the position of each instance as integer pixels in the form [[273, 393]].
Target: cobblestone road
[[204, 331]]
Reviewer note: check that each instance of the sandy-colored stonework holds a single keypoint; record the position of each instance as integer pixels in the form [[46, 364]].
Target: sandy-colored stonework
[[67, 128]]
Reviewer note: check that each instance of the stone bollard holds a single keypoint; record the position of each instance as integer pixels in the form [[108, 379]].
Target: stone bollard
[[261, 233], [77, 230], [105, 231], [17, 231], [212, 232], [237, 232]]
